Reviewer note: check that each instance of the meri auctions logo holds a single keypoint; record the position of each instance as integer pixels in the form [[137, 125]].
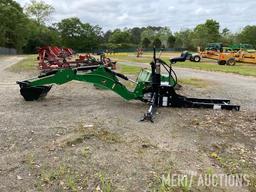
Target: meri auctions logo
[[189, 178]]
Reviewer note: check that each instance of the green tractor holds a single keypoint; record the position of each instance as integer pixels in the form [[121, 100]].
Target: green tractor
[[214, 47], [242, 46], [231, 48]]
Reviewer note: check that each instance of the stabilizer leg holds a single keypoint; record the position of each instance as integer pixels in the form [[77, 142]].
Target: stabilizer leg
[[149, 115]]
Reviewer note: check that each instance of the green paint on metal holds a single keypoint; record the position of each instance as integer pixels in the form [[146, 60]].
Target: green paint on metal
[[100, 77]]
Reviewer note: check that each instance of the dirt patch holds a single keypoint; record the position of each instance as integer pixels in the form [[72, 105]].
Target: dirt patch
[[84, 139]]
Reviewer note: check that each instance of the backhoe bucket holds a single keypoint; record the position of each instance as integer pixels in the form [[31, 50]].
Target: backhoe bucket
[[30, 93]]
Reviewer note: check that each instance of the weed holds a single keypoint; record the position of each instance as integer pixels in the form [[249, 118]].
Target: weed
[[85, 152], [30, 160], [71, 183], [166, 184], [252, 186], [209, 171], [105, 184], [101, 134]]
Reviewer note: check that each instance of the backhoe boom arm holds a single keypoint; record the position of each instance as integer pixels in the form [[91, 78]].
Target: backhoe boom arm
[[99, 76]]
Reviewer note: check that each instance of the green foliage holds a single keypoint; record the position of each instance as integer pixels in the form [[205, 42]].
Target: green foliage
[[26, 32], [227, 38], [77, 35], [159, 35], [171, 41], [13, 27], [107, 36], [248, 35], [206, 33], [183, 39], [39, 10], [136, 35], [40, 35], [105, 184], [148, 33], [163, 34], [121, 38], [146, 42], [157, 43]]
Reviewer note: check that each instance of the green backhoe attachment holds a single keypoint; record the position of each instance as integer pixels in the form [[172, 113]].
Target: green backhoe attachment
[[100, 76], [150, 86]]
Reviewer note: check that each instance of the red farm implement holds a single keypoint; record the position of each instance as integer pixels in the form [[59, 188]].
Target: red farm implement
[[51, 58]]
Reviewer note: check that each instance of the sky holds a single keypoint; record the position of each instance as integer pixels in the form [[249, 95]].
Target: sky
[[176, 14]]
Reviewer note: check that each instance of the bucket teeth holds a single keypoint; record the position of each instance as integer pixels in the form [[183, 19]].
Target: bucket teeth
[[34, 93]]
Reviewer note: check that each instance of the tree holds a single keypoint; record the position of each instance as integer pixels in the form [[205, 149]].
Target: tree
[[148, 33], [40, 35], [107, 36], [248, 35], [78, 35], [163, 34], [135, 35], [119, 37], [145, 42], [39, 10], [157, 43], [227, 38], [206, 33], [13, 27], [171, 41], [183, 39]]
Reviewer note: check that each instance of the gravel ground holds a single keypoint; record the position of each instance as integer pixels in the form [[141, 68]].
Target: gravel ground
[[83, 139]]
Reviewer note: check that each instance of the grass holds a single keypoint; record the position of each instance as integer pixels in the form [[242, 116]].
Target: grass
[[62, 177], [130, 58], [126, 69], [232, 164], [199, 83], [66, 178], [239, 68], [85, 152], [30, 160], [207, 65], [29, 63], [166, 183], [80, 134], [105, 184]]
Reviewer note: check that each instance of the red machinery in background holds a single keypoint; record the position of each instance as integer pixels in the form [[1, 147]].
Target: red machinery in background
[[54, 58]]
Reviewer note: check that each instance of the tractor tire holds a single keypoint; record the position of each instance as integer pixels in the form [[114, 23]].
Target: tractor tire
[[221, 62], [197, 58], [231, 61]]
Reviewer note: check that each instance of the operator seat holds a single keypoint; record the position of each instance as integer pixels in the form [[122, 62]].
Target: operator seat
[[182, 57]]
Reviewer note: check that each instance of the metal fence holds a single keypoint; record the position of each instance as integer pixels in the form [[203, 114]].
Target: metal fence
[[148, 49], [7, 51], [132, 50]]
